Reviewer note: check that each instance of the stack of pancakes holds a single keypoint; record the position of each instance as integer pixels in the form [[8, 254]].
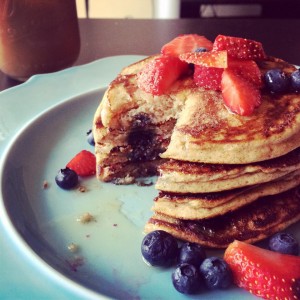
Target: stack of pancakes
[[222, 168], [222, 176]]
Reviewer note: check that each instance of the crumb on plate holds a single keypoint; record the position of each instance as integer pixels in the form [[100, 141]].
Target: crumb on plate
[[86, 218], [45, 184], [73, 247], [82, 189]]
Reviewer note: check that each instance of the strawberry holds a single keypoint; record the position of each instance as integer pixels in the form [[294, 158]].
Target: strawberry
[[239, 48], [158, 75], [216, 59], [248, 69], [186, 43], [239, 95], [83, 163], [209, 78], [264, 273]]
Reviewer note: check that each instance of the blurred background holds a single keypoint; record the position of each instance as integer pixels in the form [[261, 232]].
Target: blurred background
[[148, 9]]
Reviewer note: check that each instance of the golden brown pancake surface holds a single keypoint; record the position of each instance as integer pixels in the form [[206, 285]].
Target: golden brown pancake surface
[[189, 177], [250, 223], [208, 132], [200, 127], [207, 205]]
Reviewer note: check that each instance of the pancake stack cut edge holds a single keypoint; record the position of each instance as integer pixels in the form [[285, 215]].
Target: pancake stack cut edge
[[221, 176]]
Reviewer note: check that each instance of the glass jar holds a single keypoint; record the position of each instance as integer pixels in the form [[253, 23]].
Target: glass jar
[[37, 36]]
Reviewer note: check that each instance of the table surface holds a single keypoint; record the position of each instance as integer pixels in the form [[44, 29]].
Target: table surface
[[106, 37], [103, 38]]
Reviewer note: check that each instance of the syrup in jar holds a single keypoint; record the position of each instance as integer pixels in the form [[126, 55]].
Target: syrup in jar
[[37, 36]]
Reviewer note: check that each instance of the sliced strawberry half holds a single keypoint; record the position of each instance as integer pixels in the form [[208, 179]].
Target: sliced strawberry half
[[248, 69], [239, 48], [83, 163], [239, 95], [209, 78], [186, 43], [264, 273], [158, 75], [216, 59]]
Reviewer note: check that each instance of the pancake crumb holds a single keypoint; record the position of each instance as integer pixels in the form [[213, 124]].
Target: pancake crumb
[[45, 184], [86, 218], [73, 248], [82, 189]]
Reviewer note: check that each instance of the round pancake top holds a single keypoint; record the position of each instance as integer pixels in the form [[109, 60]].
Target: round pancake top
[[207, 131]]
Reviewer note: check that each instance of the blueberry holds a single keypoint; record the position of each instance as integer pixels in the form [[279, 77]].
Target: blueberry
[[216, 273], [284, 243], [295, 81], [186, 279], [277, 81], [201, 49], [159, 248], [192, 253], [66, 179], [90, 137]]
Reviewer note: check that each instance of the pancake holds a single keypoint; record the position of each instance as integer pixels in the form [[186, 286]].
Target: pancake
[[188, 177], [133, 127], [204, 206], [222, 176], [218, 136], [250, 223]]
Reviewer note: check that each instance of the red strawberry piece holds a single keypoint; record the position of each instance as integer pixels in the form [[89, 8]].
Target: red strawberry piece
[[239, 48], [239, 95], [264, 273], [216, 59], [248, 69], [159, 74], [83, 163], [209, 78], [186, 43]]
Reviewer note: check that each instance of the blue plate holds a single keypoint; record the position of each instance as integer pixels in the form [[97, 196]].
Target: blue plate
[[42, 223]]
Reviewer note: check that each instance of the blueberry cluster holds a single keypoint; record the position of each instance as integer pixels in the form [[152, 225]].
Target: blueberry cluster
[[278, 82], [194, 270]]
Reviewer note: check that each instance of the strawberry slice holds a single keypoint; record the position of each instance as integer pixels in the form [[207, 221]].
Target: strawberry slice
[[239, 95], [239, 48], [186, 43], [209, 78], [159, 74], [248, 69], [264, 273], [216, 59], [83, 163]]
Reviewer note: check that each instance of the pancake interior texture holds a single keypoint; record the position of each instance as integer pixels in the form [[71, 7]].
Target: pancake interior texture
[[221, 175], [132, 128]]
